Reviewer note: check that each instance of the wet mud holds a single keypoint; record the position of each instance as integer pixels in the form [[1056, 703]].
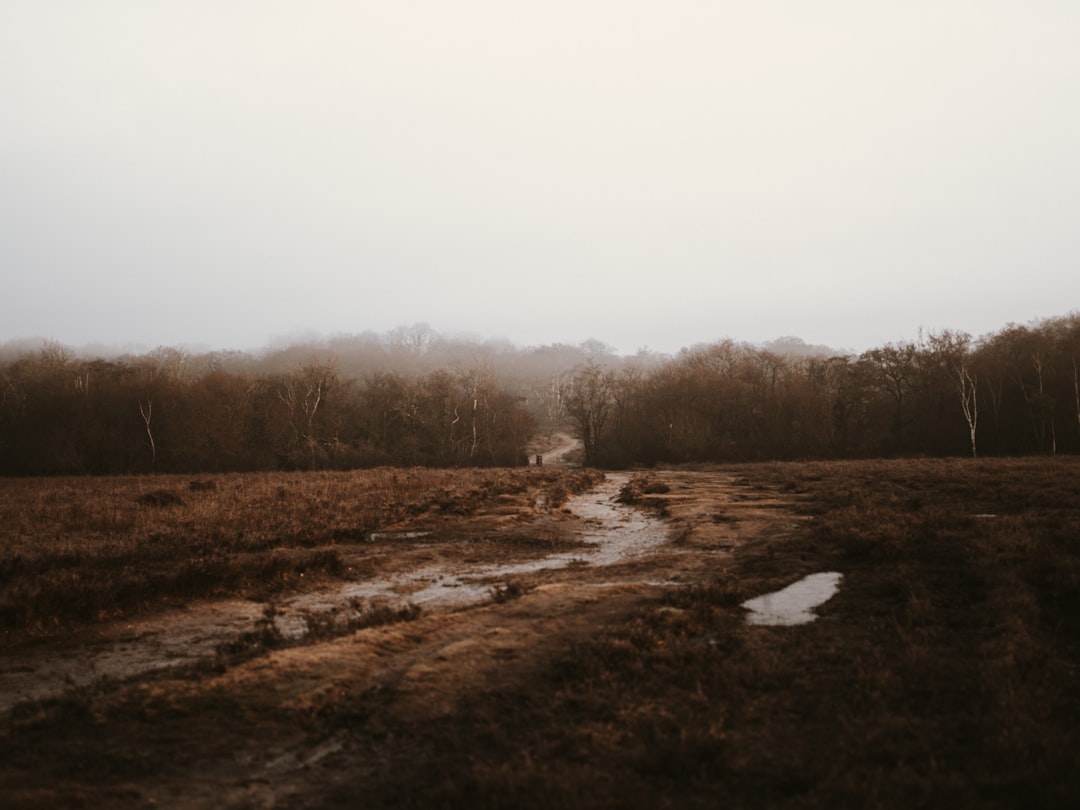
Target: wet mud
[[611, 534]]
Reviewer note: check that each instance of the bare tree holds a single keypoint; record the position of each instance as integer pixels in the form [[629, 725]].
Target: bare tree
[[478, 385], [589, 404], [953, 350], [967, 384], [1030, 366], [171, 361], [147, 412], [1076, 390], [550, 393], [1044, 400], [895, 368], [55, 356], [302, 393]]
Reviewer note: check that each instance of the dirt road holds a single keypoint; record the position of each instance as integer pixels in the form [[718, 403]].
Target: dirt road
[[559, 448], [191, 732], [612, 533], [228, 704]]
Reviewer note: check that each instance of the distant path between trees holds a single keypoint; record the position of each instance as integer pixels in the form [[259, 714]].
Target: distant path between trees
[[556, 448]]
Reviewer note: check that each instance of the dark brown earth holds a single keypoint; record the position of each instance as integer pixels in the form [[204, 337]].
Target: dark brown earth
[[180, 733], [944, 672]]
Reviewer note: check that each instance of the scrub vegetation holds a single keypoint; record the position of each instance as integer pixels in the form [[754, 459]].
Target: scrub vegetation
[[945, 672], [82, 550], [413, 398]]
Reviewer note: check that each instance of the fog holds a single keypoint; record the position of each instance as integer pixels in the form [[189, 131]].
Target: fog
[[229, 174]]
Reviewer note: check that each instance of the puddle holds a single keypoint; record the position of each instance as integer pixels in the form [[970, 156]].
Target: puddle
[[613, 533], [374, 536], [795, 603]]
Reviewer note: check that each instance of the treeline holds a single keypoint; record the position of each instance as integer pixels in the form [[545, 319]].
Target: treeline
[[409, 351], [407, 397], [365, 401], [63, 415], [1009, 393]]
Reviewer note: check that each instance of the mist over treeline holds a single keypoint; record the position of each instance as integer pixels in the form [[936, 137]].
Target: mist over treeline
[[414, 397]]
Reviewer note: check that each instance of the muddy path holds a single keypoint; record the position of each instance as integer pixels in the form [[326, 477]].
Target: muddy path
[[558, 448], [142, 714], [612, 535], [642, 683]]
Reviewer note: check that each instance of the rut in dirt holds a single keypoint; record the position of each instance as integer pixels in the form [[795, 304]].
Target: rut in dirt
[[613, 533]]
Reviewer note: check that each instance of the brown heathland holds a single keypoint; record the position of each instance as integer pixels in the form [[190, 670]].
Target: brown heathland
[[945, 672], [81, 550]]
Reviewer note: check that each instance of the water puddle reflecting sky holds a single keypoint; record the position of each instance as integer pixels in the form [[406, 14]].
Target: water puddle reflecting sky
[[795, 603]]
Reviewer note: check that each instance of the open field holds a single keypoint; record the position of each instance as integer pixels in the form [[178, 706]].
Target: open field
[[945, 672], [82, 550]]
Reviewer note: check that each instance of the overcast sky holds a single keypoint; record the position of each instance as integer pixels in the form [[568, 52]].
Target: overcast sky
[[650, 174]]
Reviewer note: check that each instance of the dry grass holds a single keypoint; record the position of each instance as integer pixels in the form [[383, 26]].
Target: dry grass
[[78, 550], [945, 673]]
